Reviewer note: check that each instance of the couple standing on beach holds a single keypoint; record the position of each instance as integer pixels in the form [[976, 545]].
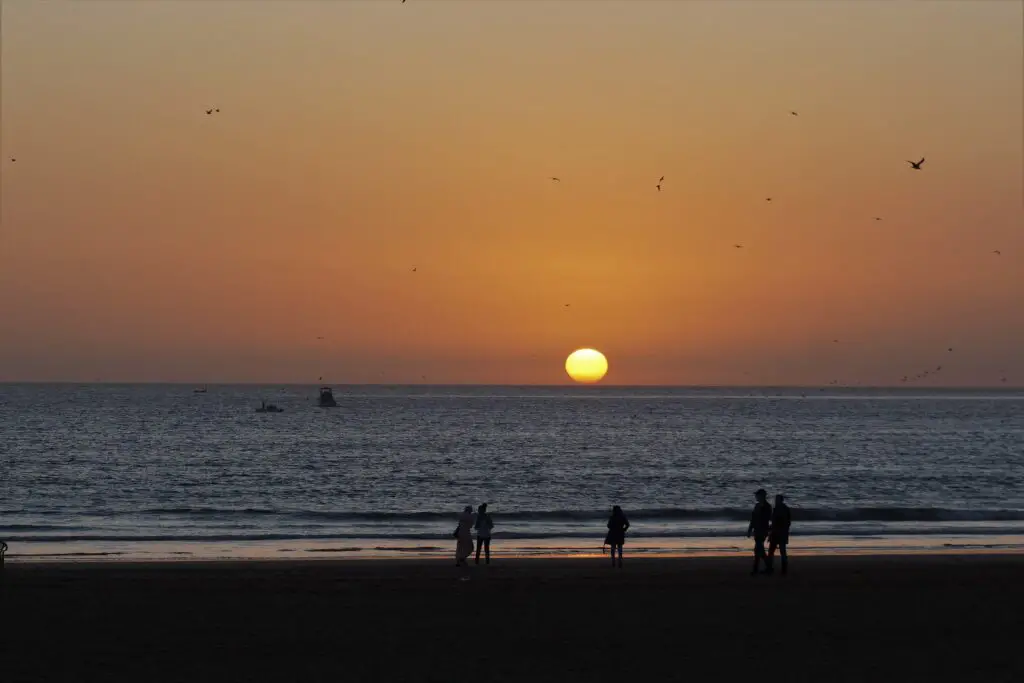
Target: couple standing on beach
[[482, 522], [766, 523]]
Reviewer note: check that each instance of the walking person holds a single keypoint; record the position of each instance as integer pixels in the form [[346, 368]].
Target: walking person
[[778, 537], [760, 523], [464, 536], [484, 524], [617, 526]]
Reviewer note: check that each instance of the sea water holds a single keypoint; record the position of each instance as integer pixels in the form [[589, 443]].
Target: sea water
[[162, 471]]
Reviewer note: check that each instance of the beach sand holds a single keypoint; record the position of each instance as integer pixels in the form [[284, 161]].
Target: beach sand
[[889, 618]]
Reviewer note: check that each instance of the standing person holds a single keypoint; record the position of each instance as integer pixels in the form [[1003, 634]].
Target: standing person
[[778, 537], [760, 523], [484, 524], [617, 526], [464, 536]]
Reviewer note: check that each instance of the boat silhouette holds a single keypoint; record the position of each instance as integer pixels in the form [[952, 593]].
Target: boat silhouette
[[326, 399]]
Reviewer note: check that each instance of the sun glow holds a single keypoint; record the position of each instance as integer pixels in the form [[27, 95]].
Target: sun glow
[[586, 365]]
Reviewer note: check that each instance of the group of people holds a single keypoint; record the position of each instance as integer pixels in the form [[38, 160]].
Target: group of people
[[482, 523], [772, 525], [766, 523]]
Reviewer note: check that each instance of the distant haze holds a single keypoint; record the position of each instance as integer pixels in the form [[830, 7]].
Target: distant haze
[[144, 240]]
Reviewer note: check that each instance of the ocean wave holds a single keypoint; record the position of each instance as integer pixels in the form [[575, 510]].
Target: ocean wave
[[595, 534], [853, 514]]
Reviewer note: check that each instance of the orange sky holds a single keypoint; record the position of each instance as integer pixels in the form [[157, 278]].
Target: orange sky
[[143, 240]]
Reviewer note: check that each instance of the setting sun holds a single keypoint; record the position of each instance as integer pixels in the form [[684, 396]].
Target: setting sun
[[586, 365]]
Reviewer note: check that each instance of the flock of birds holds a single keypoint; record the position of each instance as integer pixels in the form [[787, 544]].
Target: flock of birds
[[914, 165]]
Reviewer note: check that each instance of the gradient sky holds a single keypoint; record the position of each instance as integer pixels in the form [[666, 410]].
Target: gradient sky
[[143, 240]]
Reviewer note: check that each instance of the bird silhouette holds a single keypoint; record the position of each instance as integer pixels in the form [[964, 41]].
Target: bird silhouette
[[209, 111], [996, 252], [557, 180], [319, 337], [414, 269], [567, 305], [878, 218], [793, 113], [767, 199], [658, 186], [737, 246], [950, 348], [916, 166]]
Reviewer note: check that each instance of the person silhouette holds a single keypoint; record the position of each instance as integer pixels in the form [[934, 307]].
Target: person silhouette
[[617, 526], [484, 524], [464, 536], [778, 536], [760, 523]]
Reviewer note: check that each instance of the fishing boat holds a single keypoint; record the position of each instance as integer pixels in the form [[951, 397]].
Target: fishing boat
[[326, 399]]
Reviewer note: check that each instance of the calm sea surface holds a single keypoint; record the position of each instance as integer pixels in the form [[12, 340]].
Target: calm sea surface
[[106, 465]]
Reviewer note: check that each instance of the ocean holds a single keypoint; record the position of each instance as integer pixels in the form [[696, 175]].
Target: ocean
[[159, 471]]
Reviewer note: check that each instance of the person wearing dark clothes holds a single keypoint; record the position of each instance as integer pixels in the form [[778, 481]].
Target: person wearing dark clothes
[[760, 523], [617, 525], [484, 524], [778, 537]]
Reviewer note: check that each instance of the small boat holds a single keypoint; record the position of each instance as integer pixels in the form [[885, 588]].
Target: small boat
[[326, 399], [268, 408], [199, 391]]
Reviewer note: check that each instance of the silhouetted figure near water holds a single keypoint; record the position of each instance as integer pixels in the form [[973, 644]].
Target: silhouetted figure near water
[[760, 523], [778, 537], [617, 526], [464, 536], [484, 524]]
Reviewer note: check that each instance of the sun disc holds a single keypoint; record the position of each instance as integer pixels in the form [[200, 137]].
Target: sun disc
[[586, 365]]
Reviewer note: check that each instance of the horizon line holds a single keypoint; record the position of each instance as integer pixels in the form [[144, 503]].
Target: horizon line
[[791, 387]]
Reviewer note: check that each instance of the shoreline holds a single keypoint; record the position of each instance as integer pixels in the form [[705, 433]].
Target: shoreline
[[392, 549]]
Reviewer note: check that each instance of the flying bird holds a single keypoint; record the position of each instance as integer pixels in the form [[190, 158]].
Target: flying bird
[[567, 305], [209, 111], [319, 337], [878, 218], [737, 246], [414, 269], [767, 199], [996, 252], [916, 166], [557, 180], [793, 113], [950, 348]]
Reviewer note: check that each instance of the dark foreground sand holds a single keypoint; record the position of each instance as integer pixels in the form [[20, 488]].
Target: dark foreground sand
[[952, 618]]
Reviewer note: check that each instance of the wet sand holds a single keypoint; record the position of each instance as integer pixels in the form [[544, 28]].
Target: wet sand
[[889, 618]]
